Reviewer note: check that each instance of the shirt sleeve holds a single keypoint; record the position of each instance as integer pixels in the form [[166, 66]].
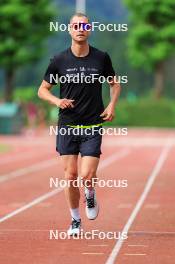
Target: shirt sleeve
[[108, 68], [51, 75]]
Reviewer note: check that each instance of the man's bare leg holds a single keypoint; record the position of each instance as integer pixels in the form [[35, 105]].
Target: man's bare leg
[[71, 173], [88, 168], [72, 192], [88, 171]]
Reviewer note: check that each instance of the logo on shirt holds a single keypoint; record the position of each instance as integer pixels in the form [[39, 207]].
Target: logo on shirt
[[82, 69], [72, 70]]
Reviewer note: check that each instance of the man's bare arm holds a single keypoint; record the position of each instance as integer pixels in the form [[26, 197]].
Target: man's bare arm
[[109, 112], [45, 94]]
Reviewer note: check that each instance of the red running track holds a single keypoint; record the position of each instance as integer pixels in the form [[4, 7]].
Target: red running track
[[29, 208]]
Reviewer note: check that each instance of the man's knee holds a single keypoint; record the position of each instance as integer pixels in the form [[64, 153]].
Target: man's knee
[[71, 174], [88, 174]]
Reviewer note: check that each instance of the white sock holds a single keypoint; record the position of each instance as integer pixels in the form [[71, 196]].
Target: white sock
[[75, 213], [89, 193]]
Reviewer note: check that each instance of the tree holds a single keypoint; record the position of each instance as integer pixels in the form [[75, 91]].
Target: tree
[[151, 40], [24, 25]]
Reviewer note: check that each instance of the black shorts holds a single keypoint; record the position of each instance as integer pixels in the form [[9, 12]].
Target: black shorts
[[71, 141]]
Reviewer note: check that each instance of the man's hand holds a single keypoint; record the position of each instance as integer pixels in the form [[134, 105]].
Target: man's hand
[[45, 94], [64, 103], [109, 113]]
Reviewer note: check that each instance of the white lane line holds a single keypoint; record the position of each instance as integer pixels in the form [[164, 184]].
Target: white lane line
[[123, 153], [21, 157], [49, 194], [47, 230], [125, 205], [152, 232], [29, 230], [139, 142], [137, 245], [151, 179], [12, 158], [92, 253], [134, 254], [33, 168], [152, 206], [45, 164], [99, 245], [31, 204]]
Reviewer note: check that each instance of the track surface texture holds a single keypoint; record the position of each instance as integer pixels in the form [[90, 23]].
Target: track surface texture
[[144, 210]]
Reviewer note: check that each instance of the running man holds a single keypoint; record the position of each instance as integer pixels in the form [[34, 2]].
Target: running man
[[80, 104]]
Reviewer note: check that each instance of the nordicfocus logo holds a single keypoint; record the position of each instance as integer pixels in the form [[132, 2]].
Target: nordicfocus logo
[[93, 26], [82, 78], [93, 234], [81, 130], [94, 182]]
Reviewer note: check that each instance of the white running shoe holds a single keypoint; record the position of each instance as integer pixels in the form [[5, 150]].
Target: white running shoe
[[92, 207], [75, 228]]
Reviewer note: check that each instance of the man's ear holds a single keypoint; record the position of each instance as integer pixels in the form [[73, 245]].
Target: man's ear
[[69, 31], [69, 28]]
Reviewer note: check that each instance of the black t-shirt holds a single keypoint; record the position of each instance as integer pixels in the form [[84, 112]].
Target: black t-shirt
[[71, 71]]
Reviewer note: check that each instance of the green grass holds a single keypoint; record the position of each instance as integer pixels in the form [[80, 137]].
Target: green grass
[[4, 148]]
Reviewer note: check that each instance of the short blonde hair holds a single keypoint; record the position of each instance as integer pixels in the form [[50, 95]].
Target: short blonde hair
[[78, 14]]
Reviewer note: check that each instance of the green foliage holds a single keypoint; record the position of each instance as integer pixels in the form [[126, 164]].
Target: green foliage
[[145, 112], [25, 94], [152, 32], [24, 24]]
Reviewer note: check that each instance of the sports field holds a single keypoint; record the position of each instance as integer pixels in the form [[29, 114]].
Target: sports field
[[30, 209]]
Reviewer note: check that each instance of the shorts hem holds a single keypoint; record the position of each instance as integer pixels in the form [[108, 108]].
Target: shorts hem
[[63, 154], [91, 155]]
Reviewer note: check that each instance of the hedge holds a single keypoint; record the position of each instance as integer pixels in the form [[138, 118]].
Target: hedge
[[145, 113]]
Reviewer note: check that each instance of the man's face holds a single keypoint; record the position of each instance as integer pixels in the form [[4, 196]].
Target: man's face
[[79, 29]]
